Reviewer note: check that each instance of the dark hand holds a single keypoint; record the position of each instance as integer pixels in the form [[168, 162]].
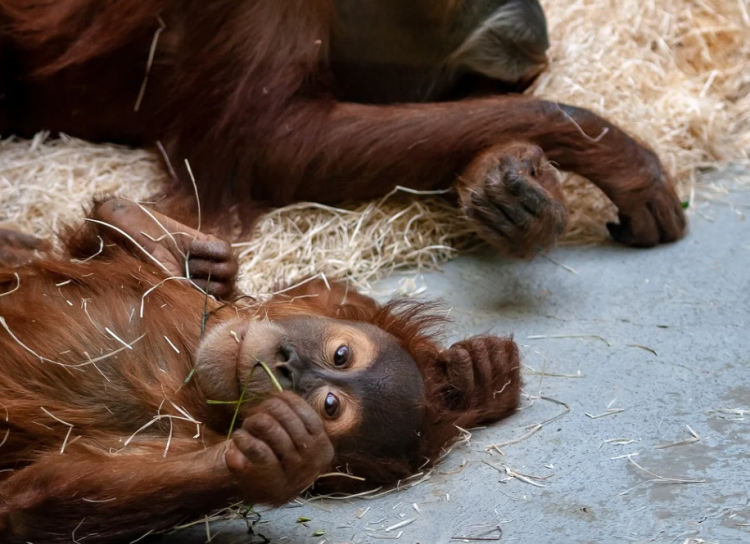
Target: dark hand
[[482, 372], [650, 214], [280, 450], [513, 198], [181, 250]]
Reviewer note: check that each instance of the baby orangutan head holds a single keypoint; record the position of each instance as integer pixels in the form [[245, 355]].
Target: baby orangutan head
[[365, 386]]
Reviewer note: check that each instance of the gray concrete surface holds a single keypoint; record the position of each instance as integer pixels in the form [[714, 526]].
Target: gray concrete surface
[[661, 334]]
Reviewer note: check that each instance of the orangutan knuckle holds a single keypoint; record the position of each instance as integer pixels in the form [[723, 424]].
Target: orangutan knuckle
[[260, 424]]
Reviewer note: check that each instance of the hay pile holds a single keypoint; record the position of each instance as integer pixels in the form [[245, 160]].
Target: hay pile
[[674, 72]]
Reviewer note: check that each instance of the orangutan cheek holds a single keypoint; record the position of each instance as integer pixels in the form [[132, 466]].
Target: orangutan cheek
[[215, 365]]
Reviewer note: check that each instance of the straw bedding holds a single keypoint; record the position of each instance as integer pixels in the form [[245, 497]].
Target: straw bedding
[[674, 72]]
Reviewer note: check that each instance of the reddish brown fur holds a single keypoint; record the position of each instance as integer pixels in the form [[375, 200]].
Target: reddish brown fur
[[82, 29], [61, 309], [244, 90]]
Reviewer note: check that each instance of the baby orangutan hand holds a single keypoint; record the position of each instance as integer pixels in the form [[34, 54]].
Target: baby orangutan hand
[[483, 373], [280, 450], [182, 251]]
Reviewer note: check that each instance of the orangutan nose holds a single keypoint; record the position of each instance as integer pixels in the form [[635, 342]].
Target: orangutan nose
[[285, 376], [288, 367]]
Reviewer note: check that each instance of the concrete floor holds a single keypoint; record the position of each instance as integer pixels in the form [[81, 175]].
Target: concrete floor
[[661, 335]]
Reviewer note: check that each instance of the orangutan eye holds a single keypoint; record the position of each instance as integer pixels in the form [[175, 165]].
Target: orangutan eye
[[341, 357], [331, 405]]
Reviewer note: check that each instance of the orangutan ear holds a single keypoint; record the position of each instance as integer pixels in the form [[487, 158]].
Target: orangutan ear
[[481, 379]]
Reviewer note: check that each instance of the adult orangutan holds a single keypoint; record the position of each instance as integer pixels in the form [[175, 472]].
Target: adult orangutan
[[124, 386], [328, 100]]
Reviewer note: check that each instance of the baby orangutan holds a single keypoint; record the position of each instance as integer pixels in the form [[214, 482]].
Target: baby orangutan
[[130, 400]]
